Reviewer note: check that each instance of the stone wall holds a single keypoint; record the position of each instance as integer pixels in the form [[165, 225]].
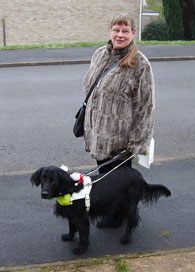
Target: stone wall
[[61, 21]]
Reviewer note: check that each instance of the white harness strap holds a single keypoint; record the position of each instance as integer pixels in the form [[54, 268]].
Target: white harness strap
[[84, 193]]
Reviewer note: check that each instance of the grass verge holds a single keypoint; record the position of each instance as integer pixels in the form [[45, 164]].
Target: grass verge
[[122, 265], [89, 44]]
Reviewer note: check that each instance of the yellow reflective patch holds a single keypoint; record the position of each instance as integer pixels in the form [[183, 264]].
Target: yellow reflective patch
[[64, 200]]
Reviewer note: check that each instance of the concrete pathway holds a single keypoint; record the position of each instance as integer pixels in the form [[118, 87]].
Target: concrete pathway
[[83, 55], [180, 260]]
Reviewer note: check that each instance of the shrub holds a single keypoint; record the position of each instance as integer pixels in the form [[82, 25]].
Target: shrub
[[156, 30]]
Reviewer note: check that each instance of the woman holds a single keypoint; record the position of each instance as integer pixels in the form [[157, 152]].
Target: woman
[[120, 111]]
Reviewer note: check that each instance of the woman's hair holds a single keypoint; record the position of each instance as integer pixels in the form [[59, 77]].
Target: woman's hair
[[129, 59], [123, 19]]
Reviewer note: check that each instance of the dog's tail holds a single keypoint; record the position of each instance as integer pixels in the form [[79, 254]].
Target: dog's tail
[[152, 192]]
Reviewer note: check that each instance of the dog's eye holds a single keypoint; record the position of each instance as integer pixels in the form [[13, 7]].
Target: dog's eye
[[42, 180], [54, 183]]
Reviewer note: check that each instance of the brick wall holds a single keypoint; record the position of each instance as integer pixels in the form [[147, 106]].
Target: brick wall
[[61, 21]]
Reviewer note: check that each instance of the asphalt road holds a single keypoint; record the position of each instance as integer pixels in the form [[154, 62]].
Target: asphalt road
[[30, 233], [37, 108], [38, 105]]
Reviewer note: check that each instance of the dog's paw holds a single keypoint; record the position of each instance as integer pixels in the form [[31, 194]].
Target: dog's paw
[[124, 240], [79, 250], [67, 237]]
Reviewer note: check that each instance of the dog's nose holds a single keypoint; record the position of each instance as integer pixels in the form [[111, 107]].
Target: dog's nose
[[44, 194]]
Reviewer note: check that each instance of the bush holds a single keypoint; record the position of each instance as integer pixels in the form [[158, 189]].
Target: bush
[[156, 30]]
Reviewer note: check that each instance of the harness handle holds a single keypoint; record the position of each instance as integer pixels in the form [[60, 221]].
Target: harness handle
[[111, 170], [120, 155]]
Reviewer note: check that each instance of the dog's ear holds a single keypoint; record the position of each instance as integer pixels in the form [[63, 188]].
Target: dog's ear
[[36, 177]]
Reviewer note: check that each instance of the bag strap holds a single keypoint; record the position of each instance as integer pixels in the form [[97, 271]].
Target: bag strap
[[97, 80]]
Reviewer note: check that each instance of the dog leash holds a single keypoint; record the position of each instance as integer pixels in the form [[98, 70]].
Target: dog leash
[[120, 155], [111, 170]]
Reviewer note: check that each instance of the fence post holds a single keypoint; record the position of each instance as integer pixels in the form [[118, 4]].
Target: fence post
[[4, 32], [140, 19]]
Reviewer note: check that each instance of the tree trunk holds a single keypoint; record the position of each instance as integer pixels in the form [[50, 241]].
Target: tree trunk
[[188, 9], [174, 19]]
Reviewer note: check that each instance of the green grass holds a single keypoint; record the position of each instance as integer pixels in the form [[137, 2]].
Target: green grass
[[122, 265], [92, 263], [64, 45], [87, 44], [166, 42], [157, 9]]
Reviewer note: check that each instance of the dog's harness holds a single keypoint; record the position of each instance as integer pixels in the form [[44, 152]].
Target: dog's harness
[[87, 183], [84, 193]]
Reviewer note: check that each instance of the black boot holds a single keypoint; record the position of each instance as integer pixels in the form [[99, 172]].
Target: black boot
[[109, 221]]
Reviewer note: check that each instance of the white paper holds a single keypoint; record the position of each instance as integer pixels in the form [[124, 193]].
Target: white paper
[[145, 160]]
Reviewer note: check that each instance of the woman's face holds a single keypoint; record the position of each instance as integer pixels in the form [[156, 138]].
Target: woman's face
[[121, 35]]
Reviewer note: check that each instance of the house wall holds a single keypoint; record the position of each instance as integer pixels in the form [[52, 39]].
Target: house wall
[[61, 21]]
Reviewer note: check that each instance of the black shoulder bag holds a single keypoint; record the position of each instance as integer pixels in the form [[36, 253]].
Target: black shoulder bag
[[78, 128]]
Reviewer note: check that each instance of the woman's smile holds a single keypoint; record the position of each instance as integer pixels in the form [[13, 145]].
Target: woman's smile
[[121, 35]]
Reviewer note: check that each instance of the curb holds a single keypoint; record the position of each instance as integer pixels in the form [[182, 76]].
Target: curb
[[157, 161], [87, 61], [39, 63], [97, 260]]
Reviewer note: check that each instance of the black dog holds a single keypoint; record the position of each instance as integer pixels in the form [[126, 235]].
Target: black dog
[[119, 192]]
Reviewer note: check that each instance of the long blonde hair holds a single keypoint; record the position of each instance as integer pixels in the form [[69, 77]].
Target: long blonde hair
[[129, 59]]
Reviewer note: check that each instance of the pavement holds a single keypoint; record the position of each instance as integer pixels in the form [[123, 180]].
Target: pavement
[[12, 58], [182, 259]]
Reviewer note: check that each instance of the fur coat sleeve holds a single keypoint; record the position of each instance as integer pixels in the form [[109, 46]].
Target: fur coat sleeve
[[142, 113]]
